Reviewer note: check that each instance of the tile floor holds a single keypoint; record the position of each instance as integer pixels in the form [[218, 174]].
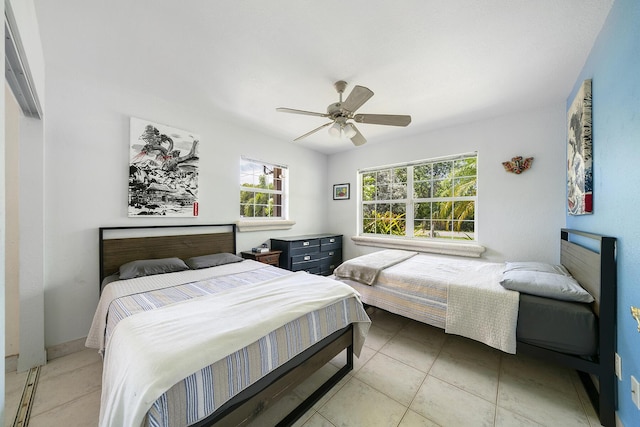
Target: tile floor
[[408, 375]]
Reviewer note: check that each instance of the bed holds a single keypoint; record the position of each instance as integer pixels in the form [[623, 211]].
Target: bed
[[477, 299], [218, 342]]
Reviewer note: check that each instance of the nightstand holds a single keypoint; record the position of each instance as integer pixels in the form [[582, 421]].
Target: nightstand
[[271, 257]]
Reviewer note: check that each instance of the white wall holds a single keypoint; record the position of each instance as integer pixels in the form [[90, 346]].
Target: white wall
[[87, 133], [519, 216]]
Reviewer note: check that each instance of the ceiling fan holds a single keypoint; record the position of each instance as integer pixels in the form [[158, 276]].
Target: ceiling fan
[[342, 115]]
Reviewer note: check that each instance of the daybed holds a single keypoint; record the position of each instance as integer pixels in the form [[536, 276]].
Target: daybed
[[476, 299], [212, 339]]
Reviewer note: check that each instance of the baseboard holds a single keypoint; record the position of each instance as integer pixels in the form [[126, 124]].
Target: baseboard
[[65, 349], [11, 363]]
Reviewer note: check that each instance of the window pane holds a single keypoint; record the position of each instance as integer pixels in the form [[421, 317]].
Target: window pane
[[384, 192], [368, 210], [465, 167], [368, 193], [398, 209], [442, 188], [465, 187], [442, 170], [464, 210], [422, 172], [383, 208], [246, 210], [422, 190], [422, 211], [369, 178], [384, 177], [422, 228], [400, 176], [369, 226], [441, 210], [399, 191]]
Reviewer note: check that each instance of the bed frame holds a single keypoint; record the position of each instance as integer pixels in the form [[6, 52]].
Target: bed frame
[[185, 241], [591, 259]]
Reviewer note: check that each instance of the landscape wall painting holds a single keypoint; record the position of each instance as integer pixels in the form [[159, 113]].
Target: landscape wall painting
[[163, 171]]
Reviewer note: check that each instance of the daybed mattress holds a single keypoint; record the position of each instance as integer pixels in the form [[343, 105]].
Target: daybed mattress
[[415, 290], [567, 327]]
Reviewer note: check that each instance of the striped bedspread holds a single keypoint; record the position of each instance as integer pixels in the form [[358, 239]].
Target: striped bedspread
[[202, 392]]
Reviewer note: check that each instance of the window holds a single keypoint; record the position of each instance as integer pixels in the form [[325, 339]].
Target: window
[[429, 199], [262, 190]]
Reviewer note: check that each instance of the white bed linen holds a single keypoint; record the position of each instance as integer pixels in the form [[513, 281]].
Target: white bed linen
[[140, 363], [477, 306], [121, 288]]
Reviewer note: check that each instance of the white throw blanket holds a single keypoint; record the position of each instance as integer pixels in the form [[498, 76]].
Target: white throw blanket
[[365, 268], [121, 288], [478, 307], [141, 359]]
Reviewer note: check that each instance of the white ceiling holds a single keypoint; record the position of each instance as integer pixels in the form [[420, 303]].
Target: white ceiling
[[442, 62]]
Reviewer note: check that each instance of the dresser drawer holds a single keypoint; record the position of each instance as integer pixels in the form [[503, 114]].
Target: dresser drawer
[[306, 258], [302, 247], [330, 243], [313, 265]]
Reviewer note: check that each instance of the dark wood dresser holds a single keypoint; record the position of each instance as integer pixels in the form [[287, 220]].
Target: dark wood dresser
[[315, 253]]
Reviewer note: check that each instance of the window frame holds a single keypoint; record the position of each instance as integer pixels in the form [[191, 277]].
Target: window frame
[[409, 202], [280, 196]]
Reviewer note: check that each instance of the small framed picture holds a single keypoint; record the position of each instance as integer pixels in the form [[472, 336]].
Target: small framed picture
[[340, 191]]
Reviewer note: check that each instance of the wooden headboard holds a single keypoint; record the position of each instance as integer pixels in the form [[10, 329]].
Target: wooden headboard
[[119, 245]]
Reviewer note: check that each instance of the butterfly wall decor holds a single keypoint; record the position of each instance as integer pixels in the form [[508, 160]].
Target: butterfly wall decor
[[518, 165]]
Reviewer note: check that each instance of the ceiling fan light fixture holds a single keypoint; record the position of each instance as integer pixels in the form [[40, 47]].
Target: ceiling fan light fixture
[[349, 130], [335, 130]]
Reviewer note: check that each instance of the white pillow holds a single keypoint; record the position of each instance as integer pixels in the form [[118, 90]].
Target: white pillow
[[544, 280]]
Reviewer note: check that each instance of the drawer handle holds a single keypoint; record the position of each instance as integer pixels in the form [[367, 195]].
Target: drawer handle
[[331, 253], [307, 258], [332, 240], [305, 243]]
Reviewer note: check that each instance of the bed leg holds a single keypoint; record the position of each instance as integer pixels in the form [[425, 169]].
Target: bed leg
[[604, 400], [321, 391]]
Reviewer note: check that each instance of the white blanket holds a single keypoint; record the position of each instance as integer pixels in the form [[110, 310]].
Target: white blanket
[[141, 359], [120, 288], [478, 307], [366, 268]]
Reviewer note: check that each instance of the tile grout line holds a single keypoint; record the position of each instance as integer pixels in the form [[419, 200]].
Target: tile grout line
[[26, 402]]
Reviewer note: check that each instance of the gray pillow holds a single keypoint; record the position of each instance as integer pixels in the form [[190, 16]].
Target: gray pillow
[[545, 284], [542, 267], [212, 260], [149, 267]]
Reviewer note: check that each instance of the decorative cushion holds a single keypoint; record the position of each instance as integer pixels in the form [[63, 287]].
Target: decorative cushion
[[212, 260], [545, 280], [149, 267]]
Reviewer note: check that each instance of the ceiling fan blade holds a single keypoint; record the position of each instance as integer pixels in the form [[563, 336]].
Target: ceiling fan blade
[[358, 96], [357, 139], [313, 131], [383, 119], [306, 113]]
